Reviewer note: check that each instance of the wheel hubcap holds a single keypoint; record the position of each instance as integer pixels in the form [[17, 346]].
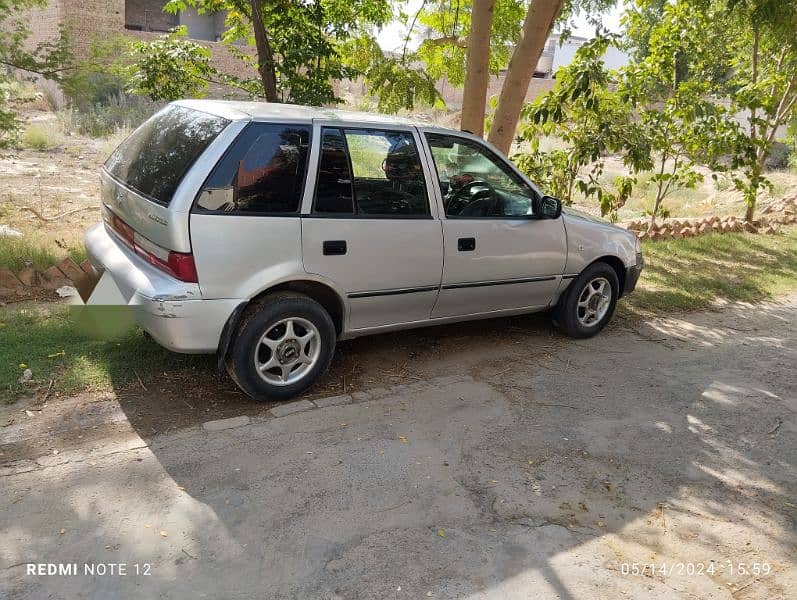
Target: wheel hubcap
[[287, 351], [594, 302]]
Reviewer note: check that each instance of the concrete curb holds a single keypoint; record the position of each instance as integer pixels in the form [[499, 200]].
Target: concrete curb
[[289, 408], [282, 410]]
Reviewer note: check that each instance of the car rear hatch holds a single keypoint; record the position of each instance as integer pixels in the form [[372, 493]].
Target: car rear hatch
[[142, 176]]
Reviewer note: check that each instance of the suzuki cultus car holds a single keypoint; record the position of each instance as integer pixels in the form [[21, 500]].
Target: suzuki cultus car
[[264, 233]]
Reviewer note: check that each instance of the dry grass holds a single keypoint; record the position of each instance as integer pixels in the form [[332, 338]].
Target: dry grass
[[43, 135], [110, 143]]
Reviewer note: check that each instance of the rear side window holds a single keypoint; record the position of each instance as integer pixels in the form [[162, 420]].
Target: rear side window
[[368, 172], [262, 173], [156, 156], [333, 192]]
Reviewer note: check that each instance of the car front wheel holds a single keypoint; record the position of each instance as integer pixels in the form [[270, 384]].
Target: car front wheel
[[589, 301], [282, 347]]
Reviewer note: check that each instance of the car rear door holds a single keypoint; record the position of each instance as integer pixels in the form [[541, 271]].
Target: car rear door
[[370, 227], [498, 255], [246, 219]]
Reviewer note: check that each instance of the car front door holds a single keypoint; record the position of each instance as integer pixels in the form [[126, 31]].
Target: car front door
[[371, 228], [498, 254]]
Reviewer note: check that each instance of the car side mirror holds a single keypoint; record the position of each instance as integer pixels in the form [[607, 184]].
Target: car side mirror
[[548, 207]]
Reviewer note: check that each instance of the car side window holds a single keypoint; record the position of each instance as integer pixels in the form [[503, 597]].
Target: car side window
[[476, 183], [333, 190], [370, 172], [263, 172]]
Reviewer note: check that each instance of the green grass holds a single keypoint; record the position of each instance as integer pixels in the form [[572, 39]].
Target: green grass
[[99, 348], [78, 348], [16, 251], [692, 273], [77, 253]]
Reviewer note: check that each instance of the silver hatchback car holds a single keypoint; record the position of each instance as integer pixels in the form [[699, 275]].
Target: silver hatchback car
[[265, 232]]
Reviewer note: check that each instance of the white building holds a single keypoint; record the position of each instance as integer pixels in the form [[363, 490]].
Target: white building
[[558, 53]]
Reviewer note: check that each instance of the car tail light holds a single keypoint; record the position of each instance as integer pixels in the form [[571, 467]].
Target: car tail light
[[179, 265]]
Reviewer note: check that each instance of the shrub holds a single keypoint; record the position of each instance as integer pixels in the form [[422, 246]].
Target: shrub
[[778, 157], [44, 135], [87, 90], [103, 77], [793, 162], [103, 120], [52, 95]]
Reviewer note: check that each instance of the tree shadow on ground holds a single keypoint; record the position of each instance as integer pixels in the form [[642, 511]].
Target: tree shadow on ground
[[542, 467], [692, 274]]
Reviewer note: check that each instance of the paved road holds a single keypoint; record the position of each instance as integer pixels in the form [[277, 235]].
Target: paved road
[[544, 468]]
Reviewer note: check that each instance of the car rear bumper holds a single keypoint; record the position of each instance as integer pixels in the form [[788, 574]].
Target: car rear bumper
[[171, 311]]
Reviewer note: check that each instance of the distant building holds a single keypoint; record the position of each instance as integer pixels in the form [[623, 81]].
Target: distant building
[[558, 53], [90, 20], [555, 54], [148, 15]]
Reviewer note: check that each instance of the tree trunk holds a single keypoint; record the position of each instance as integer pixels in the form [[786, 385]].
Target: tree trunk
[[536, 28], [752, 195], [265, 59], [477, 75], [749, 213]]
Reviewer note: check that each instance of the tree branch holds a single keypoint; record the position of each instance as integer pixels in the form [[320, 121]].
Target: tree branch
[[448, 40], [265, 58], [409, 32]]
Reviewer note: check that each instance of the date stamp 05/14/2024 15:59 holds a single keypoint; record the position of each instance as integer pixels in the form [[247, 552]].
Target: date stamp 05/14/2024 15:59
[[729, 568]]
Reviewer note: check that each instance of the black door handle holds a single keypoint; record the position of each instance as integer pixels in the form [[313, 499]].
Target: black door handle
[[466, 244], [335, 247]]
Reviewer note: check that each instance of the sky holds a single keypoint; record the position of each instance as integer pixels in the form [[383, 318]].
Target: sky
[[392, 36]]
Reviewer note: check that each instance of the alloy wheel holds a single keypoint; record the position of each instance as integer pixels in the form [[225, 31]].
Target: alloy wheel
[[288, 351], [594, 302]]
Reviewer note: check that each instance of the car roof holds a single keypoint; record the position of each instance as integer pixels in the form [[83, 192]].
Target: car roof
[[238, 110]]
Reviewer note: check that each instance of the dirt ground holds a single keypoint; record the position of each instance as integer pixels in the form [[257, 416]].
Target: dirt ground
[[52, 182], [485, 460]]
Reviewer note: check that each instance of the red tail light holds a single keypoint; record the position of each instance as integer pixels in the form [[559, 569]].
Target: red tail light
[[124, 230], [182, 266], [177, 264]]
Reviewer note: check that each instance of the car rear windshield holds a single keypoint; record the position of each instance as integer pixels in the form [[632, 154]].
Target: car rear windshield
[[155, 157]]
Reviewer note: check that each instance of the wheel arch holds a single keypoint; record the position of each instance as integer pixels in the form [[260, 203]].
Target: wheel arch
[[324, 294], [619, 268]]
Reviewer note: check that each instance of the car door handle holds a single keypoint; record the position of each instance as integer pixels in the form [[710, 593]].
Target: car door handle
[[466, 244], [335, 247]]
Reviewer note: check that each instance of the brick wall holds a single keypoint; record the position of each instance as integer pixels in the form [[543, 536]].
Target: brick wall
[[90, 20], [43, 23]]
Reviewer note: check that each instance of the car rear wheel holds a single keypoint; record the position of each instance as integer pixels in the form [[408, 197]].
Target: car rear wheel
[[282, 346], [589, 301]]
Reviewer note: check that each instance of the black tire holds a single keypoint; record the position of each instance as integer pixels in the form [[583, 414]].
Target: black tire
[[260, 319], [567, 311]]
